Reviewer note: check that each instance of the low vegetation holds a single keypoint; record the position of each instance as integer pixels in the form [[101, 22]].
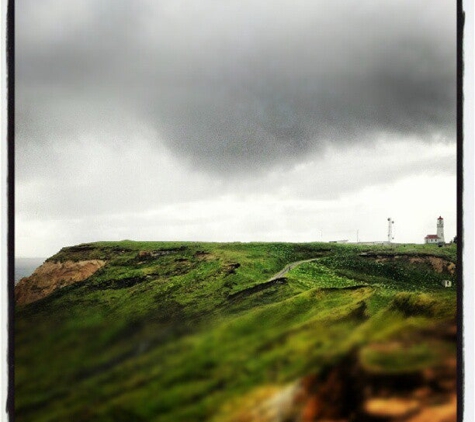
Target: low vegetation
[[177, 331]]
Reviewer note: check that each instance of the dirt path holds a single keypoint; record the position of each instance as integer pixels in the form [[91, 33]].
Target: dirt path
[[289, 267]]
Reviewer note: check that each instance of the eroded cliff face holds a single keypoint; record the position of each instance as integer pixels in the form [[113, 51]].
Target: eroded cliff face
[[52, 276], [438, 263], [349, 391]]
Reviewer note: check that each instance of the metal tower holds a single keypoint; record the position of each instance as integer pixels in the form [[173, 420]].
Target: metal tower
[[390, 229]]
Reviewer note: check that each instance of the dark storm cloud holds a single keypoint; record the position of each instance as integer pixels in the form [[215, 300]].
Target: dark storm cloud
[[236, 86]]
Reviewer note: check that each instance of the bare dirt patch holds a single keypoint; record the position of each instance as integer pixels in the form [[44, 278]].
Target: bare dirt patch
[[439, 265], [347, 392], [52, 276]]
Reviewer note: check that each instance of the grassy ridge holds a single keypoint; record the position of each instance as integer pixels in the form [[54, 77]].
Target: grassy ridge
[[172, 331]]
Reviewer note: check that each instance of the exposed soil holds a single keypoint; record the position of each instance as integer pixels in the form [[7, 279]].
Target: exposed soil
[[52, 276], [231, 268], [438, 264], [148, 255], [347, 392]]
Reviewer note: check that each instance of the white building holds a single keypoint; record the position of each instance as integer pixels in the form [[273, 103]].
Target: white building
[[431, 238], [439, 237]]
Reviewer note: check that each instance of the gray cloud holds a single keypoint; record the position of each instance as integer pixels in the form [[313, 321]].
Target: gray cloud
[[235, 87], [77, 183]]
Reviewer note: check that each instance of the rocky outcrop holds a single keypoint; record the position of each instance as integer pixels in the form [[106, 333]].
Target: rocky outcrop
[[52, 276], [349, 392], [438, 264]]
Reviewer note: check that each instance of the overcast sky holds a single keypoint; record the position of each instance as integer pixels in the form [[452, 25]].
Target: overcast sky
[[233, 121]]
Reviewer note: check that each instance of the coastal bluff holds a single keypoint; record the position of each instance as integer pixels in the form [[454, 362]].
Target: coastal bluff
[[51, 276]]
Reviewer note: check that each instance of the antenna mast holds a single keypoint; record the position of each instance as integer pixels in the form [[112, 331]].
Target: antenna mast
[[390, 229]]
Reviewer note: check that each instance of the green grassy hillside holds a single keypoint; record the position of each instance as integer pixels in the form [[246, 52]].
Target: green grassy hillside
[[176, 331]]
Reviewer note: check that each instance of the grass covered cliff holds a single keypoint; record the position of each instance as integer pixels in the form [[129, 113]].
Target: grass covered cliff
[[180, 331]]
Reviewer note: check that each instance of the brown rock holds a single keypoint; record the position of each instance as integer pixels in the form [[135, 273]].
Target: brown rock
[[144, 254], [446, 412], [422, 393], [438, 264], [52, 276], [391, 407]]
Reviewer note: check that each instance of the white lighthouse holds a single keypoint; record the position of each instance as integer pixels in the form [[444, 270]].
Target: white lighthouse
[[439, 237], [440, 229]]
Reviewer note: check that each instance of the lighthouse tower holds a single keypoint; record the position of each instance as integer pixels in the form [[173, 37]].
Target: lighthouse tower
[[440, 229]]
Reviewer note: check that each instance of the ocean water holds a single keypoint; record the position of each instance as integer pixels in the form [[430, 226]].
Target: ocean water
[[24, 267]]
